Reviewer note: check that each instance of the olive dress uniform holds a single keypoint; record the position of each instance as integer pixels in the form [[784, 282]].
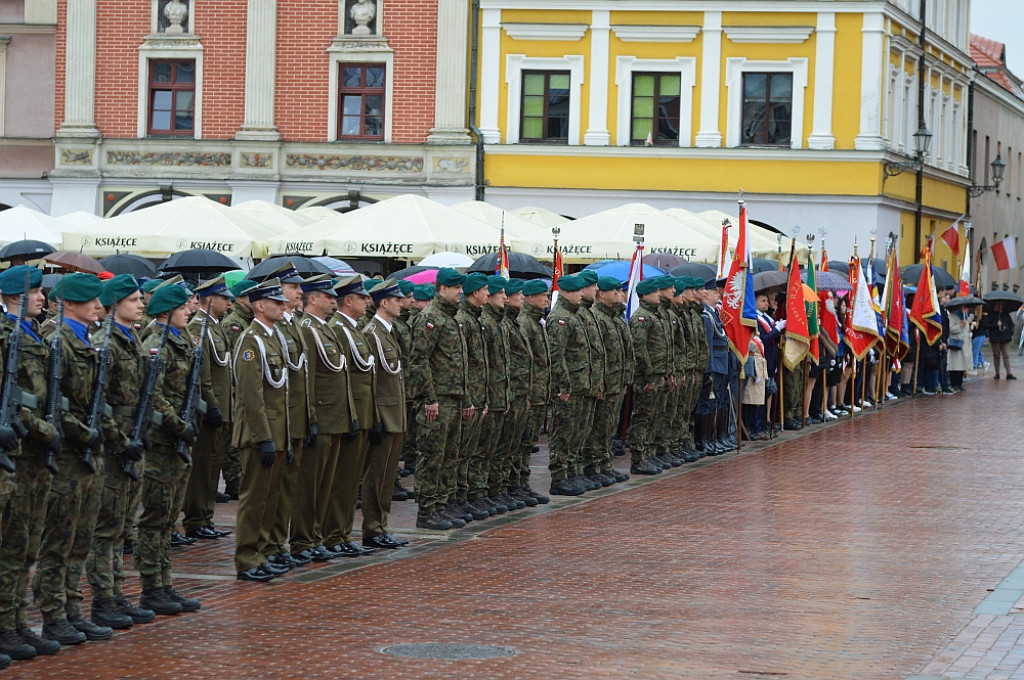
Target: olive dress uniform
[[234, 324]]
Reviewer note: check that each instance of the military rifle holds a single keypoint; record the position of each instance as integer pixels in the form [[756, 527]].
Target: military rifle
[[144, 409], [54, 399], [10, 393], [191, 407], [98, 402]]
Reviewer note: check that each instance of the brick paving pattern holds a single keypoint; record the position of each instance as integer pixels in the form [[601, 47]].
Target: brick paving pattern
[[886, 547]]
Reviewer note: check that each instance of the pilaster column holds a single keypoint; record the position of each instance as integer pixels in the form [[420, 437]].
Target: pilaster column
[[872, 53], [260, 62], [489, 82], [824, 73], [80, 71], [450, 81], [710, 81], [597, 128]]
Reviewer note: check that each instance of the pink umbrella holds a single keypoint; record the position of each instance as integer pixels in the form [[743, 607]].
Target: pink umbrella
[[429, 276]]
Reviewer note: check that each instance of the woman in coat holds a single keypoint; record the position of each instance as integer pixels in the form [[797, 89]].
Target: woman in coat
[[998, 325], [959, 344]]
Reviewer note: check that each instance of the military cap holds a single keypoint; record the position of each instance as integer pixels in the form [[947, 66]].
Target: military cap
[[118, 288], [80, 287], [270, 289], [474, 282], [286, 273], [710, 284], [175, 280], [423, 292], [535, 287], [446, 276], [720, 283], [12, 281], [321, 282], [407, 287], [384, 289], [166, 299], [214, 287], [242, 287], [608, 283], [647, 286], [496, 284], [589, 276], [352, 285], [570, 283], [514, 286], [151, 285]]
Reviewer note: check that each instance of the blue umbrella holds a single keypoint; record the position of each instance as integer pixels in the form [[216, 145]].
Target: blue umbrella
[[619, 269]]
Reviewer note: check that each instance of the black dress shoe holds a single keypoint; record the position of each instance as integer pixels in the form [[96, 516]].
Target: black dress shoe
[[793, 424], [348, 550], [203, 532], [321, 554], [383, 541], [301, 558], [181, 540], [275, 569], [220, 532], [283, 559], [256, 574], [222, 497], [398, 493]]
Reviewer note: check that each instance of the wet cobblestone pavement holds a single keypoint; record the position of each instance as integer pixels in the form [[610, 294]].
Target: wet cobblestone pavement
[[890, 546]]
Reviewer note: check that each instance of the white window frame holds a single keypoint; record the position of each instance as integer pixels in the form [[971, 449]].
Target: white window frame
[[339, 56], [517, 63], [4, 42], [736, 67], [149, 53], [625, 67]]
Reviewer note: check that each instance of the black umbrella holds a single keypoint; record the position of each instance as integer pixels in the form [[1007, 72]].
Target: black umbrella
[[50, 280], [409, 271], [965, 301], [761, 264], [199, 260], [28, 249], [943, 279], [305, 266], [664, 261], [520, 266], [770, 279], [699, 270], [126, 263], [828, 281], [1011, 301]]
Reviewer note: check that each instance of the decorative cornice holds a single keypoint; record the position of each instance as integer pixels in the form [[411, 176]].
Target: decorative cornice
[[361, 163], [768, 34], [673, 34], [568, 32], [169, 158]]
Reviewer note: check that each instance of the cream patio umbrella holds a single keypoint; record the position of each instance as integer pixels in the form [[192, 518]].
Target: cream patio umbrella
[[406, 227], [276, 217], [542, 217], [763, 242], [317, 212], [79, 218], [515, 226], [608, 235], [167, 228], [19, 223]]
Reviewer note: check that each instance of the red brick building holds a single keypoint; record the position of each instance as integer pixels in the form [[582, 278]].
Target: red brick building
[[299, 102]]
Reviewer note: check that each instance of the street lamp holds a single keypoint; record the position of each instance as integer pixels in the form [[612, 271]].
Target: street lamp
[[998, 168], [922, 140]]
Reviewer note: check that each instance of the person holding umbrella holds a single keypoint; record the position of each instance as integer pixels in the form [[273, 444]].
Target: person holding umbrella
[[998, 325]]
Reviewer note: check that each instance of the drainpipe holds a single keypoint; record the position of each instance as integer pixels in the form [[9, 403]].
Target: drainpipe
[[919, 189], [473, 76], [970, 143]]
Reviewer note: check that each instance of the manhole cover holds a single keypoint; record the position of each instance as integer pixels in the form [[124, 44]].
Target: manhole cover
[[448, 650]]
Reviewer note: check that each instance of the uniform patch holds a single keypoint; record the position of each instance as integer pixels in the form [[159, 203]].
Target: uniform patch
[[195, 340], [236, 329], [154, 350], [561, 322], [248, 355], [639, 318], [430, 326]]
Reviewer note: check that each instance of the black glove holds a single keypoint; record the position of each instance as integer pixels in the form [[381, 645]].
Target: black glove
[[268, 453], [188, 435], [377, 433], [310, 441], [134, 450], [95, 439], [214, 417], [289, 457], [707, 379], [8, 438], [351, 436]]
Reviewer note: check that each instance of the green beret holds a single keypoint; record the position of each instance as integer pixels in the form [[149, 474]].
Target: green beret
[[694, 283], [514, 286], [370, 284], [446, 276], [423, 292], [242, 287], [118, 288], [496, 284], [474, 282], [535, 287], [665, 281], [651, 285], [589, 276], [407, 287], [80, 287], [681, 284], [151, 285], [608, 283], [570, 283], [12, 281], [166, 299]]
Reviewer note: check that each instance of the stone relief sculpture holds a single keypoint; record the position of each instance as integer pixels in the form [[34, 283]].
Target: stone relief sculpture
[[363, 13]]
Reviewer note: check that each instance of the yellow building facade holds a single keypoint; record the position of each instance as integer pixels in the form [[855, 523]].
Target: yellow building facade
[[588, 104]]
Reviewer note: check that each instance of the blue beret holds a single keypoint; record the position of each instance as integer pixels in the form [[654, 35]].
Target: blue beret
[[118, 288], [474, 282], [446, 276], [12, 281], [535, 287], [167, 298]]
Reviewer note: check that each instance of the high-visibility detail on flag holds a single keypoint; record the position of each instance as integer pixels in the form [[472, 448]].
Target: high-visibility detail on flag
[[1005, 253], [798, 340], [739, 310], [924, 312]]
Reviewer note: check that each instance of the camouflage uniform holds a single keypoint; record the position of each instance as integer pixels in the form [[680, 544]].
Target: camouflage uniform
[[520, 374], [570, 355], [75, 492], [165, 472], [652, 349], [590, 458], [234, 324], [668, 429], [694, 362], [529, 321], [618, 360], [105, 566], [439, 350], [403, 328], [498, 393], [25, 511], [472, 468]]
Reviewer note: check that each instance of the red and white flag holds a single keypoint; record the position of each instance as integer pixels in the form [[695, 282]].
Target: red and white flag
[[1005, 253], [952, 237]]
